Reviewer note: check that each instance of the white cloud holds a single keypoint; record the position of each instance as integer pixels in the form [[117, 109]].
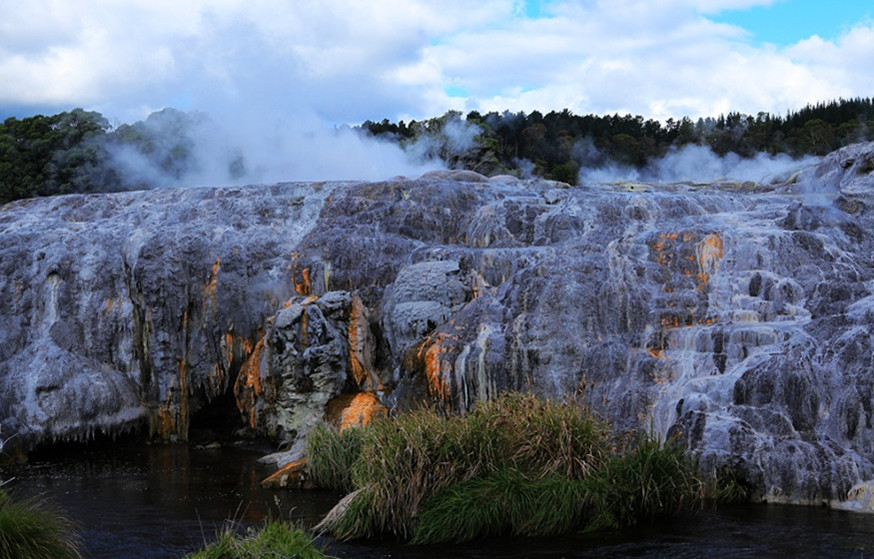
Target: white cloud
[[349, 60]]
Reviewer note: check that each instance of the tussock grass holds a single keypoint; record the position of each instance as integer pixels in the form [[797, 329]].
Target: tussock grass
[[505, 502], [728, 486], [275, 540], [34, 529], [651, 480], [331, 455], [409, 458], [515, 465]]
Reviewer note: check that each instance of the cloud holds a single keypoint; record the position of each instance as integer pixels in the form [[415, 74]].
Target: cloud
[[347, 61], [667, 61]]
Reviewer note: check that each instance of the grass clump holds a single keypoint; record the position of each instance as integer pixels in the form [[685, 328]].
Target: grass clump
[[504, 502], [34, 529], [405, 460], [516, 465], [729, 486], [331, 455], [650, 480], [276, 539]]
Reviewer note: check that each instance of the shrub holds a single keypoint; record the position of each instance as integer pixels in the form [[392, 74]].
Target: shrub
[[275, 539], [34, 529]]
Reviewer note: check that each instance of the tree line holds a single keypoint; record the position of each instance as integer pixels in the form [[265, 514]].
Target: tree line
[[79, 151], [555, 145]]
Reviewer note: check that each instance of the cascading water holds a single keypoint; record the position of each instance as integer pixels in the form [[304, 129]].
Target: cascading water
[[733, 316]]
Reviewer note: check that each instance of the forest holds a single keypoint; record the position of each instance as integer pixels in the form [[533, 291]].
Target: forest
[[80, 151]]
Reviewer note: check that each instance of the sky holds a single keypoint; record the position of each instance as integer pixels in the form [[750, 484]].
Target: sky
[[332, 62]]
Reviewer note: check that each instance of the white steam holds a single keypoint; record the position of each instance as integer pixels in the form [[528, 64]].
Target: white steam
[[234, 150], [698, 164], [447, 139]]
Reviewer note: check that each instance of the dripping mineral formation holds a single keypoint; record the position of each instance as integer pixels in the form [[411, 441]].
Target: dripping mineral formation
[[735, 316]]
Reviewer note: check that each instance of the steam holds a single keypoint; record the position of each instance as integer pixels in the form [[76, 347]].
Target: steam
[[174, 148], [694, 163], [449, 139]]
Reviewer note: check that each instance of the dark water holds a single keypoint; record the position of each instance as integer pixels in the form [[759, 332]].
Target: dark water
[[165, 501]]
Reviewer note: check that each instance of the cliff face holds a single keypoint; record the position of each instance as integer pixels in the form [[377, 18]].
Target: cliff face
[[735, 316]]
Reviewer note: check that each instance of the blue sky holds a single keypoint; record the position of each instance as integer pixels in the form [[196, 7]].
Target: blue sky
[[787, 22], [344, 61]]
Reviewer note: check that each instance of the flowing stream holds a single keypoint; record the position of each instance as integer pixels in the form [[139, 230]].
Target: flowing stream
[[156, 502]]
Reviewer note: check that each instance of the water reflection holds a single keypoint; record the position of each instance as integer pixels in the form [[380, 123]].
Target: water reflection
[[161, 501], [164, 501]]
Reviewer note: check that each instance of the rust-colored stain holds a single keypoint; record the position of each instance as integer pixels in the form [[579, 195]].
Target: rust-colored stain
[[304, 287], [166, 420], [684, 255], [209, 290], [290, 475], [248, 386], [182, 430], [300, 275], [229, 347], [709, 252], [304, 320], [437, 369], [112, 304], [354, 410], [359, 352], [687, 254]]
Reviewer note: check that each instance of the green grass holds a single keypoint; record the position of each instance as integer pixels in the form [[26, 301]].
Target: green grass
[[276, 540], [516, 465], [34, 529], [504, 502], [410, 458], [331, 455], [650, 480]]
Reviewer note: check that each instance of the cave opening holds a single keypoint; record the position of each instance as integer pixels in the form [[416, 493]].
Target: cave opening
[[217, 420], [97, 440]]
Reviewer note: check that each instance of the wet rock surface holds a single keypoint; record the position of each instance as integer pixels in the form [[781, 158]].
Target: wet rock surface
[[735, 316]]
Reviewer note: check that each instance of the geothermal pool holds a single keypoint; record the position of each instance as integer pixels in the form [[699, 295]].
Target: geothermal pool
[[162, 502]]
